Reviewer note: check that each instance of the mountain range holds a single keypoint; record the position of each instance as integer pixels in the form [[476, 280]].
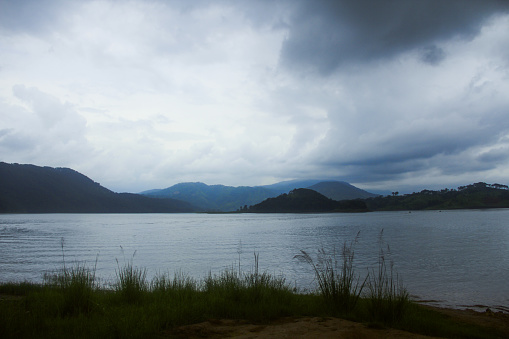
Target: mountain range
[[28, 188], [34, 189], [227, 198]]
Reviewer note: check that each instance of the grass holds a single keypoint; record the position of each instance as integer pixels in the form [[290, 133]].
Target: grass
[[132, 284], [70, 304], [337, 282], [387, 297]]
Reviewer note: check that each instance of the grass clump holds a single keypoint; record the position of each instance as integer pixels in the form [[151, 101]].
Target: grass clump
[[132, 283], [253, 295], [337, 282], [77, 287], [387, 298], [76, 284]]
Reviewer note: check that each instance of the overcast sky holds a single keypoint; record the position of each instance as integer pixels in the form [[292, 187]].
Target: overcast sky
[[395, 95]]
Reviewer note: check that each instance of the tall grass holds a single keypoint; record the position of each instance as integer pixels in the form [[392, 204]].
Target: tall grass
[[338, 284], [77, 285], [256, 295], [132, 281], [386, 295], [70, 304]]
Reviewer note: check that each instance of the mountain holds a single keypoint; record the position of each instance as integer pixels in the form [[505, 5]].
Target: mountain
[[340, 190], [303, 200], [287, 186], [34, 189], [214, 197], [227, 198]]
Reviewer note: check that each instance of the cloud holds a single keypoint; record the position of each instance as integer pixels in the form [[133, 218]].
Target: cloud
[[145, 94], [326, 35], [432, 55], [39, 126]]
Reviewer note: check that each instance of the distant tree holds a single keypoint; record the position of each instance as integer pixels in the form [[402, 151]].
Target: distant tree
[[395, 193], [499, 186]]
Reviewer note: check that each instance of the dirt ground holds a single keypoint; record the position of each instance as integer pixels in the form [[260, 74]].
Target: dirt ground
[[314, 327]]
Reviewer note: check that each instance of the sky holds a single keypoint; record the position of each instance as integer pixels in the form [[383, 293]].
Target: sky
[[398, 95]]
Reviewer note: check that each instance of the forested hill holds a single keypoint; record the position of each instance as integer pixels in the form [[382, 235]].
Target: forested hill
[[304, 200], [340, 190], [478, 195], [34, 189]]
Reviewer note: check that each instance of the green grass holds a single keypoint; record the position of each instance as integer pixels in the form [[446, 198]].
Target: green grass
[[386, 296], [70, 304], [132, 284], [338, 284]]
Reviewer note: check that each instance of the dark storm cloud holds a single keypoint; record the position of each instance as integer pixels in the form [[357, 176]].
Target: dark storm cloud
[[325, 35], [34, 16], [432, 55]]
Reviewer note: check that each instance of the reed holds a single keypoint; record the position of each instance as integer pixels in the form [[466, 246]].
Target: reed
[[36, 310], [132, 281], [337, 282], [77, 285], [387, 298], [70, 304]]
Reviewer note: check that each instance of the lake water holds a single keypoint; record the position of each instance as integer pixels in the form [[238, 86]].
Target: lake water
[[450, 258]]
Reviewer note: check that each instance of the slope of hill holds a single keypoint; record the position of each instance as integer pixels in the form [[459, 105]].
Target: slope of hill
[[340, 190], [34, 189], [303, 200], [287, 186]]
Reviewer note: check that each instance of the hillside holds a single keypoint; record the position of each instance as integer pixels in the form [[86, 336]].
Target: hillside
[[34, 189], [304, 200], [340, 190], [478, 195], [228, 198]]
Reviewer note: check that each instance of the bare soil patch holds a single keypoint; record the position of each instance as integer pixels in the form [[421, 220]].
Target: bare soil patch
[[317, 327]]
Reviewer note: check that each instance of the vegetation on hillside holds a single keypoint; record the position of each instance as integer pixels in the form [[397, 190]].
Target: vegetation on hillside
[[477, 195], [304, 200], [34, 189]]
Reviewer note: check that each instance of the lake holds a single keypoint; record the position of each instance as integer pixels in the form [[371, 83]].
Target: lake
[[449, 258]]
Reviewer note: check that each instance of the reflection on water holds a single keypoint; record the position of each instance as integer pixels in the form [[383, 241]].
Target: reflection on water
[[458, 258]]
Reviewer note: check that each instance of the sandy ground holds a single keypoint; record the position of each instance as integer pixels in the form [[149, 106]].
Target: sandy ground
[[314, 327]]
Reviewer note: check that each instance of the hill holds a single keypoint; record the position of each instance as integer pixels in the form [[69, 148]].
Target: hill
[[303, 200], [227, 198], [340, 190], [478, 195], [289, 185], [34, 189]]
